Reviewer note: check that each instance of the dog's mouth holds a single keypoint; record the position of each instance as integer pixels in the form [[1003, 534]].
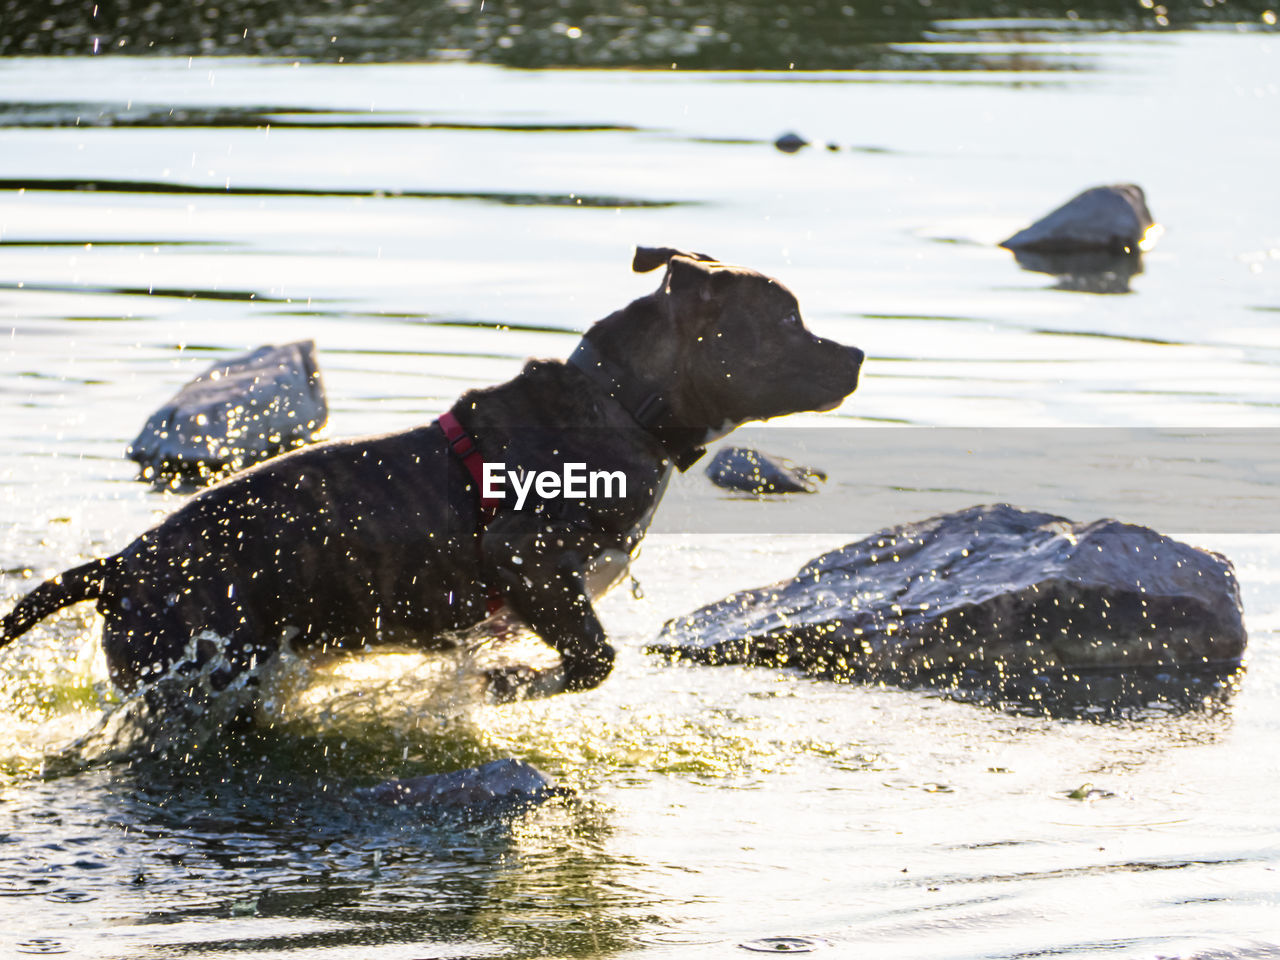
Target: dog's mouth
[[833, 405]]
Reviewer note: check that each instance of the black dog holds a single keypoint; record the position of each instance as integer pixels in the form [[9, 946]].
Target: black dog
[[386, 538]]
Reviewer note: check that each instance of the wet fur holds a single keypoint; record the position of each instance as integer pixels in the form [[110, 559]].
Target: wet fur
[[375, 539]]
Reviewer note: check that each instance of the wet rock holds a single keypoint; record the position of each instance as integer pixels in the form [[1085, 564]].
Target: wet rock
[[791, 143], [237, 413], [994, 602], [741, 468], [1092, 271], [499, 784], [1112, 218]]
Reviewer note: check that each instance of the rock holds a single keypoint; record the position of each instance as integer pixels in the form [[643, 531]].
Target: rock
[[499, 784], [1093, 271], [994, 601], [235, 414], [1113, 218], [741, 468], [791, 143]]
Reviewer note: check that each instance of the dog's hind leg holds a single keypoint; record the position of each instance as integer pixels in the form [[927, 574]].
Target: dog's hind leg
[[173, 706], [186, 650]]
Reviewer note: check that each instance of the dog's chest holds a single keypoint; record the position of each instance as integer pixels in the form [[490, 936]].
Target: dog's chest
[[610, 565]]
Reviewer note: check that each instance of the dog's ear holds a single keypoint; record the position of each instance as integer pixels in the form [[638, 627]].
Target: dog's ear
[[695, 287], [651, 258]]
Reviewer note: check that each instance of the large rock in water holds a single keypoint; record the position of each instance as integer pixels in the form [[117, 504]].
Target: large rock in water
[[994, 602], [1113, 218], [237, 413]]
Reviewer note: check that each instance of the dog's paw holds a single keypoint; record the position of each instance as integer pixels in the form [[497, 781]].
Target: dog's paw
[[587, 668]]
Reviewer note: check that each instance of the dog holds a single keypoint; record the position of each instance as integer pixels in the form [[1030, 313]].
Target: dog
[[392, 538]]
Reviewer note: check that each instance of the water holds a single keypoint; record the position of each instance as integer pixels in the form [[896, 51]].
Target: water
[[430, 226]]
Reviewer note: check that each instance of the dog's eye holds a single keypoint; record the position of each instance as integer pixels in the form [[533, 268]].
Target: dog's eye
[[791, 320]]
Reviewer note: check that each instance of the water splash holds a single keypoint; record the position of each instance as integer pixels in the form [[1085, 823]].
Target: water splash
[[391, 702]]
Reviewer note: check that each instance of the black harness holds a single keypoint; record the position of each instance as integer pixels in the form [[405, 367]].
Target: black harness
[[646, 405]]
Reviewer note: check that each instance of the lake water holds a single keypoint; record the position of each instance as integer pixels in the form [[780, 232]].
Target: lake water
[[429, 226]]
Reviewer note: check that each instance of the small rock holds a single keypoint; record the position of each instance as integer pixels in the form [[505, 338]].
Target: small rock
[[1113, 218], [741, 468], [791, 142], [237, 413], [1019, 605], [499, 784]]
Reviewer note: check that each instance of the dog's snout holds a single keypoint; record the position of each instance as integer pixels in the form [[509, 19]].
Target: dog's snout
[[856, 357]]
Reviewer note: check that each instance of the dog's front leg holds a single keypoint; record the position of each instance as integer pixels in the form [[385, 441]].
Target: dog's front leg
[[539, 569]]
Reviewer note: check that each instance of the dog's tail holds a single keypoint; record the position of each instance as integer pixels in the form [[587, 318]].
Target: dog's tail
[[80, 583]]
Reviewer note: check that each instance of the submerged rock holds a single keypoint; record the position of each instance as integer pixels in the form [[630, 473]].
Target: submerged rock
[[237, 413], [1113, 218], [741, 468], [499, 784], [1093, 271], [994, 601]]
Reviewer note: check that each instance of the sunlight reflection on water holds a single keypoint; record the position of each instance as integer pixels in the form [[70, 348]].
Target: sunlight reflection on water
[[714, 807]]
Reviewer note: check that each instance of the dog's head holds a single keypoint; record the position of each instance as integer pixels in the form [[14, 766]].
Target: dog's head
[[743, 352]]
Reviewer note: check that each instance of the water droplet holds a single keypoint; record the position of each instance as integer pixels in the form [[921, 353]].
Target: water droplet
[[785, 944], [69, 896], [42, 945]]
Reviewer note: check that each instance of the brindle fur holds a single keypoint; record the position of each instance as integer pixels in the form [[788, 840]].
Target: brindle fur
[[379, 539]]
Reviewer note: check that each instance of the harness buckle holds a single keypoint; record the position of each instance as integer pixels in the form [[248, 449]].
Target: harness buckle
[[463, 446], [649, 410]]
